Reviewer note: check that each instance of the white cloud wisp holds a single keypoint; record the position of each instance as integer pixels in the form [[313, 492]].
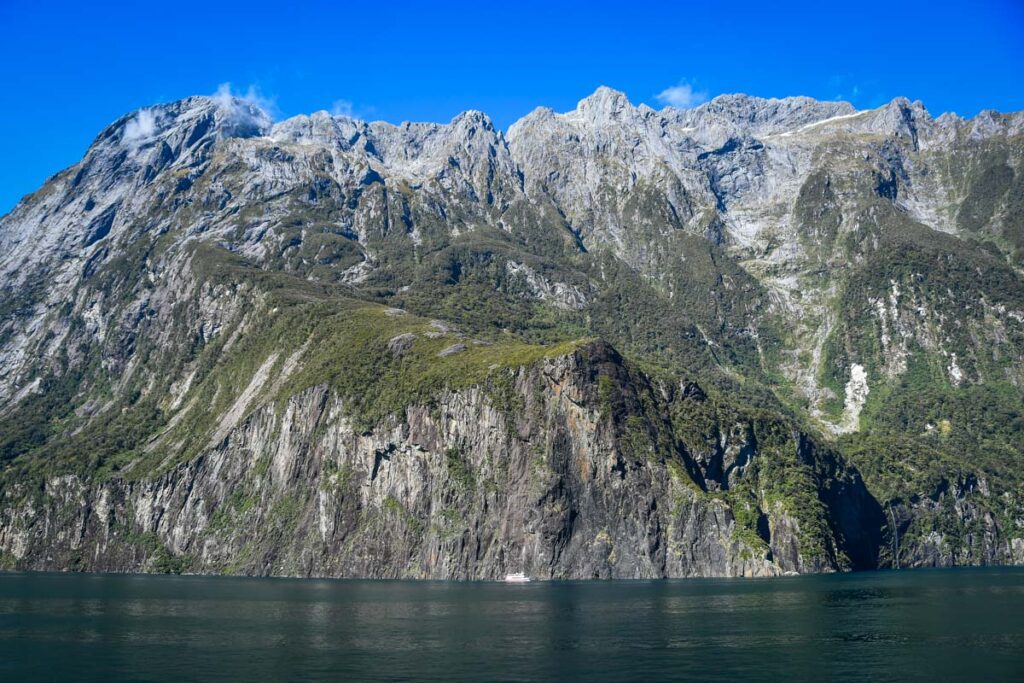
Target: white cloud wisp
[[682, 96]]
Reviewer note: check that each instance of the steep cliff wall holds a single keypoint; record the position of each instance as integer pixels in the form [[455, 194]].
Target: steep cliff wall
[[568, 468]]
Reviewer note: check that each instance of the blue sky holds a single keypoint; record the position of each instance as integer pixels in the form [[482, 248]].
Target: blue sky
[[68, 70]]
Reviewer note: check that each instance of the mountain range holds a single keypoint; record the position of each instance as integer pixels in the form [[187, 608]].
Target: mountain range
[[751, 338]]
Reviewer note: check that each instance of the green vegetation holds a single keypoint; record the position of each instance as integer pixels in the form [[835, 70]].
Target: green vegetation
[[349, 352], [161, 559], [449, 525], [785, 472], [750, 520], [7, 561], [335, 477], [459, 470], [414, 525], [340, 342], [979, 420], [231, 514]]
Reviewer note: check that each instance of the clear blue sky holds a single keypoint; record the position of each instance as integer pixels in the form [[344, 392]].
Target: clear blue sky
[[68, 70]]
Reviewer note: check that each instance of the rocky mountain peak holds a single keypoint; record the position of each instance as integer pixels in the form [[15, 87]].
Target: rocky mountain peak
[[317, 128], [473, 118], [761, 116], [605, 104], [218, 117]]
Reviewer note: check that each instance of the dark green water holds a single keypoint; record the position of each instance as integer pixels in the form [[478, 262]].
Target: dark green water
[[925, 625]]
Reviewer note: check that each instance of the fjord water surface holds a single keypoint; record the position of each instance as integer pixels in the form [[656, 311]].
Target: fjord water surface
[[962, 624]]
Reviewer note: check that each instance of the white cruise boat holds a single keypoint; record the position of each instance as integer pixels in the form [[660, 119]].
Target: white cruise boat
[[518, 577]]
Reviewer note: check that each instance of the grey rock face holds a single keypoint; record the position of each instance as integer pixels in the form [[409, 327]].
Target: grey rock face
[[459, 491]]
